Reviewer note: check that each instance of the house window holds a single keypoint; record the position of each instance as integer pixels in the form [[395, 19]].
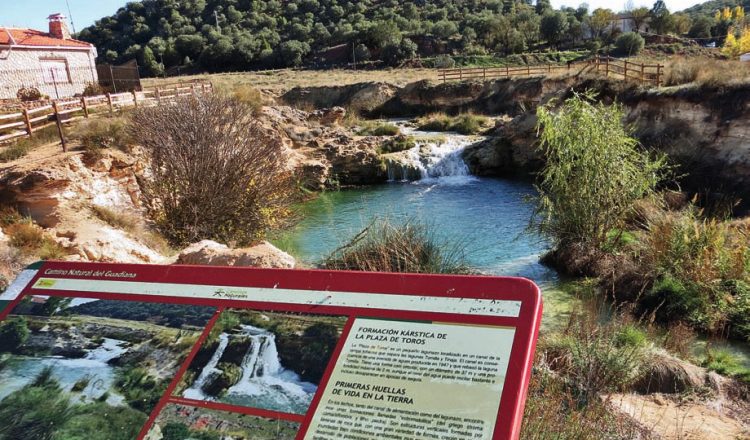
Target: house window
[[55, 71]]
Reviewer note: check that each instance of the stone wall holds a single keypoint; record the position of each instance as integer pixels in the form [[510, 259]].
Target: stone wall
[[22, 67]]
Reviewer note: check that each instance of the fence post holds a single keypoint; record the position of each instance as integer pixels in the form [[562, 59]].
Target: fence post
[[606, 66], [135, 99], [27, 121], [460, 73], [643, 74], [507, 72], [658, 75], [85, 106], [528, 70], [484, 73], [59, 126], [158, 95], [109, 101], [626, 70]]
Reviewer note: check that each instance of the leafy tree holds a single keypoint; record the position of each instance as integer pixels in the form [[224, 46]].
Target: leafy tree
[[553, 27], [542, 6], [630, 43], [600, 20], [395, 54], [701, 27], [292, 52], [661, 19], [362, 53], [639, 16], [681, 23], [13, 333], [594, 171], [190, 45]]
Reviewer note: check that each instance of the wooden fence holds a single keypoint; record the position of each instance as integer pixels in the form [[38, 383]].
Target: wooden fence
[[624, 69], [58, 112], [627, 70], [485, 73]]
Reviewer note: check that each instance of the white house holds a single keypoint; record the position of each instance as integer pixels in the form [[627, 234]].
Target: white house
[[53, 62]]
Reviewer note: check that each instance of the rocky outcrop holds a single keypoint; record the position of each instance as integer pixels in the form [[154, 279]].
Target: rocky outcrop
[[362, 98], [328, 116], [211, 253]]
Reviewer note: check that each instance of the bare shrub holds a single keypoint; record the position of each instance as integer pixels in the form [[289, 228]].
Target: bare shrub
[[216, 172], [100, 133]]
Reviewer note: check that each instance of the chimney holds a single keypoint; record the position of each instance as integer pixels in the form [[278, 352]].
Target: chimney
[[57, 27]]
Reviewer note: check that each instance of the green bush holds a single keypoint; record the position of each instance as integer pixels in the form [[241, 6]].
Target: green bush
[[444, 62], [378, 129], [13, 333], [397, 144], [594, 171], [630, 43], [97, 134], [465, 123]]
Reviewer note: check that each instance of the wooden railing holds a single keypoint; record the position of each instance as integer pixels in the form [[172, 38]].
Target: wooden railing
[[485, 73], [623, 69], [62, 111], [627, 70]]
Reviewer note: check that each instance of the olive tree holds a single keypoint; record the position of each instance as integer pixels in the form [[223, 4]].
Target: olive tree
[[216, 173], [594, 171]]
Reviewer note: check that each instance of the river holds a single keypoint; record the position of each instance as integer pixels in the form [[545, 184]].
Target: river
[[487, 218]]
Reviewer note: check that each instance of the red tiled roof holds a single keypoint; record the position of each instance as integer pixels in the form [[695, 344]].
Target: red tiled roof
[[30, 37]]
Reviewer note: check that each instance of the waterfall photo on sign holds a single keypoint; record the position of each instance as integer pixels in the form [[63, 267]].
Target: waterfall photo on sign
[[266, 360]]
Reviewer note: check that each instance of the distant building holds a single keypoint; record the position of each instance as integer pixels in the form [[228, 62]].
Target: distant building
[[745, 57], [53, 61]]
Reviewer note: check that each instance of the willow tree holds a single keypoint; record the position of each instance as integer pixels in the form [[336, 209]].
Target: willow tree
[[595, 171]]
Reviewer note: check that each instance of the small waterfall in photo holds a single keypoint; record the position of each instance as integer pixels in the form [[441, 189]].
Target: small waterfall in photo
[[264, 382]]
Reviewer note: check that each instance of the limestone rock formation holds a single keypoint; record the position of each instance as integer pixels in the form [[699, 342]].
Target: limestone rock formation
[[211, 253]]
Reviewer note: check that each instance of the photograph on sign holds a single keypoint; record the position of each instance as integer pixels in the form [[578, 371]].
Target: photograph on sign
[[105, 362], [266, 360]]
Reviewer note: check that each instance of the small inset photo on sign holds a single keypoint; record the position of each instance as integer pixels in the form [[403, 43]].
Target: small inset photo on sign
[[181, 422], [83, 368], [266, 360]]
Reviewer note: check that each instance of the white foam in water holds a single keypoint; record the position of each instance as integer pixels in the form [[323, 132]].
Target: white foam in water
[[440, 162], [263, 377]]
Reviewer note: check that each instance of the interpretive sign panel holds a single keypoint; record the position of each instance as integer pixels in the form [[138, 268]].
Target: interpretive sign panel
[[178, 352]]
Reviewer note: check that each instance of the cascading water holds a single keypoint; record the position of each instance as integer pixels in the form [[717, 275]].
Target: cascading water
[[264, 383], [196, 391], [436, 156]]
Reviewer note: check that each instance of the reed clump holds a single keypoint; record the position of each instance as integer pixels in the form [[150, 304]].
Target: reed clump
[[409, 247]]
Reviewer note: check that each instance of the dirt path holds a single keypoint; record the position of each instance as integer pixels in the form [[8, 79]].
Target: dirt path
[[673, 420]]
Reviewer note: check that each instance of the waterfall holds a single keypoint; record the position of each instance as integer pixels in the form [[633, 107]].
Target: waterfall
[[196, 391], [436, 156], [264, 382]]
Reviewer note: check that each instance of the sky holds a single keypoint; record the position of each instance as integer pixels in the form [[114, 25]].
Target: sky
[[33, 13]]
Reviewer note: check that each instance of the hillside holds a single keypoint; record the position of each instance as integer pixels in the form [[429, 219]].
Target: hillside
[[710, 7], [228, 34]]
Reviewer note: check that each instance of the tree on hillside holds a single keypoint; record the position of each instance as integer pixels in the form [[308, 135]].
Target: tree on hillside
[[639, 16], [600, 20], [661, 19], [553, 27], [701, 28]]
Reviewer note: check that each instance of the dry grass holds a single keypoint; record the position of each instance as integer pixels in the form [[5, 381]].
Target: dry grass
[[286, 79], [22, 147], [705, 72], [465, 123], [119, 220]]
